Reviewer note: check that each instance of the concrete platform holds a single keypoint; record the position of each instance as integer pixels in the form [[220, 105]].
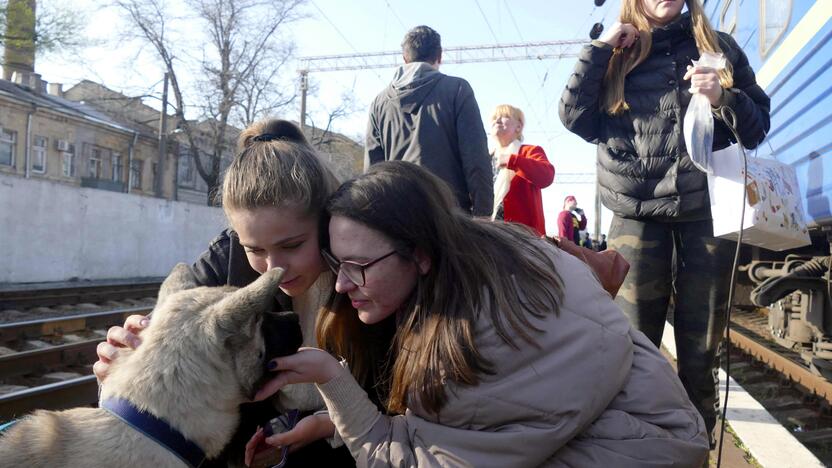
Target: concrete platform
[[766, 440]]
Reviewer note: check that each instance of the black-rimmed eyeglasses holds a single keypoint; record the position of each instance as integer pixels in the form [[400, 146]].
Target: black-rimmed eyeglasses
[[353, 270]]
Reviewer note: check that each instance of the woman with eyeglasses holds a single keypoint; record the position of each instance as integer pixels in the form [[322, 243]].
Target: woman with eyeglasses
[[498, 359], [273, 193]]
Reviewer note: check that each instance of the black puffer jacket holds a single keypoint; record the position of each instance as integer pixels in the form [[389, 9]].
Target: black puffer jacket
[[644, 170]]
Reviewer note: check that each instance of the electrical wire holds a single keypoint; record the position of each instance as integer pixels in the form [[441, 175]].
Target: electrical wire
[[395, 15], [730, 119], [511, 69], [343, 36]]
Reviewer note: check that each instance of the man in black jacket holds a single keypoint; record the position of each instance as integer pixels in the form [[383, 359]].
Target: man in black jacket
[[432, 120]]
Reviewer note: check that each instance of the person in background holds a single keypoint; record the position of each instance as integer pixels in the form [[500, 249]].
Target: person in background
[[526, 166], [587, 241], [571, 221], [507, 351], [602, 244], [628, 94], [433, 120]]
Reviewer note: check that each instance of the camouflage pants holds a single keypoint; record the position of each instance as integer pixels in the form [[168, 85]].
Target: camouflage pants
[[683, 261]]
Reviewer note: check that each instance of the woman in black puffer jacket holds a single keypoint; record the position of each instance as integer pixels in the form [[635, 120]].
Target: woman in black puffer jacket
[[628, 95]]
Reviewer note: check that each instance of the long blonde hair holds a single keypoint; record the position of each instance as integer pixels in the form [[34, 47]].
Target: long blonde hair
[[623, 61]]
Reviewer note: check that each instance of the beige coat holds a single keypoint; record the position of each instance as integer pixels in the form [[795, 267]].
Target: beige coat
[[597, 393]]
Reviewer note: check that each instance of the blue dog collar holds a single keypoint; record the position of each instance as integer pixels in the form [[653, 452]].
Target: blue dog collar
[[156, 429]]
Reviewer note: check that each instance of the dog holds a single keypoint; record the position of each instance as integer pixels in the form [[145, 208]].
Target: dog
[[204, 353]]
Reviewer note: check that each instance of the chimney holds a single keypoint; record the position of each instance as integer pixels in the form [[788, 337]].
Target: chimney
[[19, 53], [56, 89], [29, 80]]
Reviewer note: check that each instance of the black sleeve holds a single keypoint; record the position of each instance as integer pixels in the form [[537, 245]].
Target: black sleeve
[[473, 151], [580, 105], [746, 98], [211, 268]]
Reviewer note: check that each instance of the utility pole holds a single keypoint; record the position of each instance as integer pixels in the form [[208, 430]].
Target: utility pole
[[163, 132], [304, 87]]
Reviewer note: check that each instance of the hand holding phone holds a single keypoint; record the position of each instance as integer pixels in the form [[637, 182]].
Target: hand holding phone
[[261, 455]]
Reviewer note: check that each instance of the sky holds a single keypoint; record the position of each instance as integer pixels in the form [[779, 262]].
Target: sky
[[352, 26]]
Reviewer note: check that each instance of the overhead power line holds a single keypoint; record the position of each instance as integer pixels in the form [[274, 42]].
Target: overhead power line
[[450, 55], [574, 178]]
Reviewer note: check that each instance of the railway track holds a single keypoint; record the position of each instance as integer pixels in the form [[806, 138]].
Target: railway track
[[47, 364], [23, 298], [783, 384]]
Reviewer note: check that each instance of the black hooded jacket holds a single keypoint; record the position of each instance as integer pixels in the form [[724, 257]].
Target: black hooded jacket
[[643, 167], [433, 120]]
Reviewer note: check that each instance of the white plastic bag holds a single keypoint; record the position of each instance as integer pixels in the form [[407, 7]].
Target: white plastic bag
[[699, 122], [502, 183], [501, 186]]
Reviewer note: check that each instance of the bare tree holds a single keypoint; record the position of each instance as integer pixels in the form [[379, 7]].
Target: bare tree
[[323, 137], [239, 65]]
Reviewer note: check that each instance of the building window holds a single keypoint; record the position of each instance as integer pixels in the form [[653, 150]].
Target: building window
[[7, 144], [774, 20], [95, 163], [39, 154], [68, 163], [118, 167], [136, 173], [186, 168], [154, 170]]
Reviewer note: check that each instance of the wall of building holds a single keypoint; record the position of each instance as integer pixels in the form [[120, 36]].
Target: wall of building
[[54, 232]]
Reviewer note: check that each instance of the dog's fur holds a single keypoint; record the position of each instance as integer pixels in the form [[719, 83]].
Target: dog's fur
[[202, 355]]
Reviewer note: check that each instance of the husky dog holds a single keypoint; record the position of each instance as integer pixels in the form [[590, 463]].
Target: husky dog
[[203, 354]]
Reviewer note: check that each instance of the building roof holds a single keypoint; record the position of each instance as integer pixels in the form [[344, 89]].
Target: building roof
[[61, 105]]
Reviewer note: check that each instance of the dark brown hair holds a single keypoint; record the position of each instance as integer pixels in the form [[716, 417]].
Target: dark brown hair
[[422, 44], [477, 267]]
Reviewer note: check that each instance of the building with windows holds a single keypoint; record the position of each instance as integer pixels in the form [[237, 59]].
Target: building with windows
[[91, 136], [43, 134]]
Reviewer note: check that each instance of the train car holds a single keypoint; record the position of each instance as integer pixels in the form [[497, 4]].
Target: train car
[[789, 45]]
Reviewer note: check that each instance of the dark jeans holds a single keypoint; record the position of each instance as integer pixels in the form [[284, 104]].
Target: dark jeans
[[685, 261], [252, 415]]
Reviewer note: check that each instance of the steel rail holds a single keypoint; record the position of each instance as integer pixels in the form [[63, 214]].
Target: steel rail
[[33, 329], [52, 296], [80, 353], [80, 391], [797, 373]]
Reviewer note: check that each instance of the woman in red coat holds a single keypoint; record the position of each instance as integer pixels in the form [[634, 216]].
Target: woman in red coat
[[525, 166]]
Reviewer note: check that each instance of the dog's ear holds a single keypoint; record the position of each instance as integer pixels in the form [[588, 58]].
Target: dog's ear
[[179, 279], [247, 302]]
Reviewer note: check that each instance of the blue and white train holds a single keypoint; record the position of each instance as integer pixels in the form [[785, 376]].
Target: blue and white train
[[789, 45]]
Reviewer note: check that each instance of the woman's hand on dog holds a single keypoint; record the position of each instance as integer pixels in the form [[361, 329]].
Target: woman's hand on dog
[[307, 430], [118, 337], [309, 365]]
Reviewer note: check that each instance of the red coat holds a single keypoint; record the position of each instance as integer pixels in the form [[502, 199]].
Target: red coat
[[523, 203], [569, 225]]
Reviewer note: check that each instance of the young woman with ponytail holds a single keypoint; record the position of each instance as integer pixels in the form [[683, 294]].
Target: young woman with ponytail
[[628, 95], [273, 194]]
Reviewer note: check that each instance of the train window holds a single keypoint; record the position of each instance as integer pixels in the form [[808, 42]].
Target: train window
[[775, 16], [728, 17]]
